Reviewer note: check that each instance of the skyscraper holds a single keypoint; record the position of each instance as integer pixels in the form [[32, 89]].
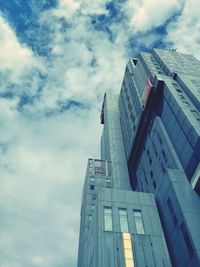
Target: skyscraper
[[144, 191], [160, 102]]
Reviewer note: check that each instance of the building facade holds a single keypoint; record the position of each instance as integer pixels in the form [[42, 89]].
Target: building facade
[[140, 202], [160, 103]]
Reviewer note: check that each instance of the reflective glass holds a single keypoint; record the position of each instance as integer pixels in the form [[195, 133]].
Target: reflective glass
[[123, 220], [129, 263], [128, 253], [138, 222], [126, 236], [127, 244], [108, 219]]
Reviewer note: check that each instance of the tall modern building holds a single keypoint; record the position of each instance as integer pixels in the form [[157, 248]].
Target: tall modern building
[[140, 201]]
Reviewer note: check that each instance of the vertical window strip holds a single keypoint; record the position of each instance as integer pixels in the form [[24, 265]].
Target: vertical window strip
[[108, 225], [123, 220], [128, 253], [138, 222]]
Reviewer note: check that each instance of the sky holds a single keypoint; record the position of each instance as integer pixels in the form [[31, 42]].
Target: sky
[[57, 59]]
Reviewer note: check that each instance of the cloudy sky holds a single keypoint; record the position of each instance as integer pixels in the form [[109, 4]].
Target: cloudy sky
[[57, 58]]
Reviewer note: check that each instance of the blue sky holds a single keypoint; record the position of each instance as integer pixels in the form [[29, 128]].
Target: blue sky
[[57, 59]]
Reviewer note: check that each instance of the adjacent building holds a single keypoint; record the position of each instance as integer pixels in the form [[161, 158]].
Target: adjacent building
[[140, 203]]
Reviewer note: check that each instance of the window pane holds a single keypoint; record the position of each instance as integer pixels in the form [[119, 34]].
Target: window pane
[[139, 226], [128, 253], [129, 263], [126, 236], [127, 244], [108, 219], [138, 222], [122, 212], [137, 213], [123, 220], [107, 210]]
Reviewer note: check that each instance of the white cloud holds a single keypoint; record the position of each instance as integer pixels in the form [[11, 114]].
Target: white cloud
[[42, 173], [147, 14], [43, 159], [67, 8], [14, 57], [184, 32], [97, 7]]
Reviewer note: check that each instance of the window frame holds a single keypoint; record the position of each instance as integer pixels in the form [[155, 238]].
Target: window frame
[[108, 220], [123, 220], [139, 224]]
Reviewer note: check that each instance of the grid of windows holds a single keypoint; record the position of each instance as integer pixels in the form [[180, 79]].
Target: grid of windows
[[108, 225], [123, 220], [138, 222]]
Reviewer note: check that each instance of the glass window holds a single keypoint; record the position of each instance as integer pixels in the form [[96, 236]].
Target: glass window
[[128, 254], [164, 155], [123, 220], [138, 222], [92, 187], [108, 219], [159, 138]]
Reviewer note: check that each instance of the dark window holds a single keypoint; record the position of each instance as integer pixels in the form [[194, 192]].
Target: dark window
[[154, 148], [187, 240], [175, 85], [91, 187], [147, 151], [150, 160], [186, 103], [164, 155], [154, 184], [162, 167], [151, 173], [194, 111], [171, 209], [159, 138]]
